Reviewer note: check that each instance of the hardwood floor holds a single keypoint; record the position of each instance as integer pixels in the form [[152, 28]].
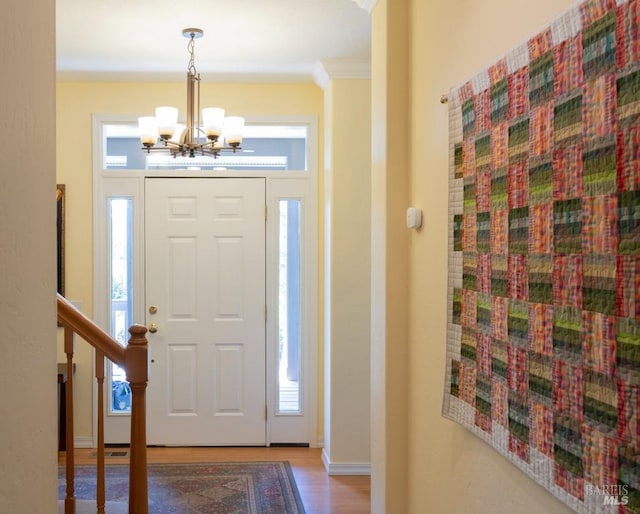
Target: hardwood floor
[[321, 493]]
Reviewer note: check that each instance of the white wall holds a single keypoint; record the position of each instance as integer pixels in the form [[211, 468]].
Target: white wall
[[28, 411]]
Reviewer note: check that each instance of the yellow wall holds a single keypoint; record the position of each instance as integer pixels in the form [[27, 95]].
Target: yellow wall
[[390, 108], [347, 280], [76, 103], [450, 470]]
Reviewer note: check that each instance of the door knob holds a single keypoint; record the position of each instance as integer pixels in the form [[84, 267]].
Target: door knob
[[153, 328]]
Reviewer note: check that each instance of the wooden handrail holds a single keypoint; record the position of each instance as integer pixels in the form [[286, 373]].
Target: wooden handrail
[[71, 317], [133, 359]]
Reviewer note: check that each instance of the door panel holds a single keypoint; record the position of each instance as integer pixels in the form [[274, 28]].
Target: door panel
[[230, 379], [205, 273], [182, 269], [182, 372]]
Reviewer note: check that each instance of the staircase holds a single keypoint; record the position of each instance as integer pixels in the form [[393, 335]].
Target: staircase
[[133, 359]]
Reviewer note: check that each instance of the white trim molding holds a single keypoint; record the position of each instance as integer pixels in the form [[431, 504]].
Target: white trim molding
[[83, 442], [367, 5], [345, 468], [332, 69]]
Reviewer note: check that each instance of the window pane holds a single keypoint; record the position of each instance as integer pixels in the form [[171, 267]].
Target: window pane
[[289, 307], [264, 148], [120, 225]]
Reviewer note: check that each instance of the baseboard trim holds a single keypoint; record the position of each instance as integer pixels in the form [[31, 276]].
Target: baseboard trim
[[345, 468], [83, 442]]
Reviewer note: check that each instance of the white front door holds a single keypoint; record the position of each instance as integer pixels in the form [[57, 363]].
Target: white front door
[[205, 293]]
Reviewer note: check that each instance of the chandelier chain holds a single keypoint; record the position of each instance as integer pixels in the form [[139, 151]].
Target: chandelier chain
[[191, 47]]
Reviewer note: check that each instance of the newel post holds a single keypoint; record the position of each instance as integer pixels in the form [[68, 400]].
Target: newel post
[[136, 366]]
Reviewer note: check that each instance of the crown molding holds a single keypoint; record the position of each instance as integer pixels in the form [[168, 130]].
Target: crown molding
[[297, 76], [367, 5], [334, 69]]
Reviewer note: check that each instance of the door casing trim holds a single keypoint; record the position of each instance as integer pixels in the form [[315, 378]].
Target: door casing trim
[[109, 183]]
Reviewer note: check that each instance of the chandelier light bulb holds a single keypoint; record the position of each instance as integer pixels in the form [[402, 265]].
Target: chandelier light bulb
[[148, 127], [233, 129], [212, 121], [167, 120]]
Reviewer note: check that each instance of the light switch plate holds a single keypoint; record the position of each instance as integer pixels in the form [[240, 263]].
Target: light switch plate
[[414, 217]]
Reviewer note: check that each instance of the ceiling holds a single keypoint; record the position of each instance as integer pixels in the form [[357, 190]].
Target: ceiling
[[248, 40]]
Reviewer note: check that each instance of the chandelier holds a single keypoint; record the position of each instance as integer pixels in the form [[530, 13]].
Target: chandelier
[[201, 136]]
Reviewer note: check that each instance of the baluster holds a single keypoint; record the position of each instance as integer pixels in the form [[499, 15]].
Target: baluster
[[135, 358], [70, 500], [100, 493]]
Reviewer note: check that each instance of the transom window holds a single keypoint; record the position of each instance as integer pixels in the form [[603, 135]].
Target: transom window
[[264, 148]]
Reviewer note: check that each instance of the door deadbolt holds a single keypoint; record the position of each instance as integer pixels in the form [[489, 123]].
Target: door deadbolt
[[152, 309]]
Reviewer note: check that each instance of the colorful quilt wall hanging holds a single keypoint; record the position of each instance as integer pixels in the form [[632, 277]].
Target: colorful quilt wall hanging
[[543, 330]]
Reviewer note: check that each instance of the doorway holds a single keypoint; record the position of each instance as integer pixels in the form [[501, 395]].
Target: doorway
[[288, 216]]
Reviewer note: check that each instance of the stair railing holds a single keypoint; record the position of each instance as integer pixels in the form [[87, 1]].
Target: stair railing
[[133, 359]]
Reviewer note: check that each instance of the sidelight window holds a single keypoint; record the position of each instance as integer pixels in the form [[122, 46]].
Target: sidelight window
[[120, 230], [289, 303]]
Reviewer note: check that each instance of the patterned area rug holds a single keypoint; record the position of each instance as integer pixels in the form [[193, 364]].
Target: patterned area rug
[[220, 487]]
